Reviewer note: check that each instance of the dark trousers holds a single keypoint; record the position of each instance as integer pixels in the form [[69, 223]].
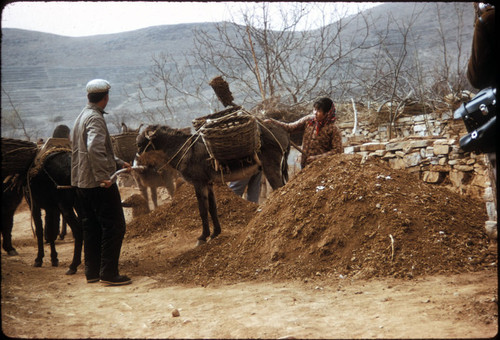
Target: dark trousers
[[103, 230]]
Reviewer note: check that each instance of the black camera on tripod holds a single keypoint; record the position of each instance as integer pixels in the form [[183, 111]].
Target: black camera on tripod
[[479, 116]]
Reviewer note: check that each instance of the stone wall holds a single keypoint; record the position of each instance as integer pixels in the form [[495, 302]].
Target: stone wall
[[419, 125], [429, 149]]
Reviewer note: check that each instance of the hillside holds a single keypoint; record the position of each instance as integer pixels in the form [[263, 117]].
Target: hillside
[[44, 75]]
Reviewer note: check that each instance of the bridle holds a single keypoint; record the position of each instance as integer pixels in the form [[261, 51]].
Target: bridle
[[176, 167]]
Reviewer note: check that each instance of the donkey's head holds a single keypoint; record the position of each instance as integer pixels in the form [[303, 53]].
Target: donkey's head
[[155, 137], [145, 140]]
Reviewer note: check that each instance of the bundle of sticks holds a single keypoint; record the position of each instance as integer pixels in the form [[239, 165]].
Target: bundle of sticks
[[221, 89]]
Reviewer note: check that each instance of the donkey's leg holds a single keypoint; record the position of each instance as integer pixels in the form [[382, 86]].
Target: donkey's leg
[[64, 228], [36, 213], [202, 197], [7, 224], [170, 184], [144, 191], [212, 207], [154, 196], [76, 229], [52, 220]]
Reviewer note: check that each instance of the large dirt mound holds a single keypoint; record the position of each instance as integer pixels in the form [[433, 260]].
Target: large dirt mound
[[341, 216]]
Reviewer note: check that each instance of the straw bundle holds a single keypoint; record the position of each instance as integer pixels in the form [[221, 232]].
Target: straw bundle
[[221, 89], [17, 156], [125, 146]]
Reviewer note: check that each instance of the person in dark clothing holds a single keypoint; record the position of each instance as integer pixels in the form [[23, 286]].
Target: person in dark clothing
[[482, 72], [61, 131], [92, 165], [482, 68]]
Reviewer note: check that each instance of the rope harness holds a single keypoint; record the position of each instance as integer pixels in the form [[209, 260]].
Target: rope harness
[[215, 164]]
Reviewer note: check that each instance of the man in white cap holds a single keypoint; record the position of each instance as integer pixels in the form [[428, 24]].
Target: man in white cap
[[92, 164]]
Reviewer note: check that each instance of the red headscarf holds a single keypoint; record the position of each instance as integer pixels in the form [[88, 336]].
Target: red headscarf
[[330, 117]]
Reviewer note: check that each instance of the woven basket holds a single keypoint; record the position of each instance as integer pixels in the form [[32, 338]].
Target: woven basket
[[125, 146], [198, 122], [231, 137], [17, 156]]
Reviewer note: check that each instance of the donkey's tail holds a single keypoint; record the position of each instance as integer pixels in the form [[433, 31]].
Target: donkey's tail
[[284, 166]]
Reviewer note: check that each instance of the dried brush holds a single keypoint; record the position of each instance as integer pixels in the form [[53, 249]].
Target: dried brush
[[221, 89]]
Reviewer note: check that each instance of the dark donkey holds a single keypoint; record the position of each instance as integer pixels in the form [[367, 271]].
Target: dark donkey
[[163, 146], [12, 195], [49, 189]]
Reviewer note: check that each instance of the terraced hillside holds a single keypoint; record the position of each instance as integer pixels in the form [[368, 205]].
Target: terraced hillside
[[44, 75]]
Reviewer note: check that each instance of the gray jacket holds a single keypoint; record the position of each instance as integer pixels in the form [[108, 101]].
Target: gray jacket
[[92, 158]]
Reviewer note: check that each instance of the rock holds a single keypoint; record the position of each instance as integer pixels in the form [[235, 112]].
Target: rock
[[395, 146], [396, 163], [463, 167], [431, 176], [456, 178], [441, 149], [412, 159], [372, 146], [491, 229], [176, 313]]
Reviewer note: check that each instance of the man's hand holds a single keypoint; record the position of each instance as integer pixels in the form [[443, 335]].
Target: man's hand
[[105, 184], [127, 166]]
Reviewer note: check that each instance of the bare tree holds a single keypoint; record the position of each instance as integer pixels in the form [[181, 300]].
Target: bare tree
[[172, 84], [259, 59], [390, 79], [285, 61], [14, 120], [351, 57], [450, 69]]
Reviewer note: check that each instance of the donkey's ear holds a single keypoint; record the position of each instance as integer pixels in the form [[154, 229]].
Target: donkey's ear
[[150, 134]]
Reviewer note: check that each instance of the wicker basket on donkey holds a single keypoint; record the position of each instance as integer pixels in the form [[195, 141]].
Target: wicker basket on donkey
[[17, 156], [231, 134], [125, 146]]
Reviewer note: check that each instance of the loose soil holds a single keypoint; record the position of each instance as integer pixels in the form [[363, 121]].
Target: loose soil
[[349, 248]]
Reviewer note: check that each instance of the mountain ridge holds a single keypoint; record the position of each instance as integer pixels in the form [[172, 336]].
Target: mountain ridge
[[45, 74]]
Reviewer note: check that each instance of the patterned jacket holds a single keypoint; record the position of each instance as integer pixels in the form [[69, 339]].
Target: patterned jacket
[[327, 141], [92, 159]]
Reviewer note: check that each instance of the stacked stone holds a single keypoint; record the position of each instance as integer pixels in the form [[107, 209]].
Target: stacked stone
[[420, 125]]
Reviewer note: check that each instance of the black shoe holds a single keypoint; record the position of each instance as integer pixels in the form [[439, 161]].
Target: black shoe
[[118, 280], [92, 280]]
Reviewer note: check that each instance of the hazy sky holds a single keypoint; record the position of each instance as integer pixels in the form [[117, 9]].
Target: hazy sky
[[91, 18]]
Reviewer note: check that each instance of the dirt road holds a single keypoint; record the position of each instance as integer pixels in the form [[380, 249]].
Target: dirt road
[[44, 303], [344, 250]]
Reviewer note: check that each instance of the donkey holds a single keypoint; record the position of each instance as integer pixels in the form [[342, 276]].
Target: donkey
[[12, 195], [166, 146], [126, 128], [62, 131], [49, 189], [149, 177]]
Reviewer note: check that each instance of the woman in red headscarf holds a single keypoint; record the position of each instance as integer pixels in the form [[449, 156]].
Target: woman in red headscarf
[[321, 136]]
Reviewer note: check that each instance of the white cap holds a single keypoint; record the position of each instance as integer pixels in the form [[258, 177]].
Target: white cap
[[97, 86]]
